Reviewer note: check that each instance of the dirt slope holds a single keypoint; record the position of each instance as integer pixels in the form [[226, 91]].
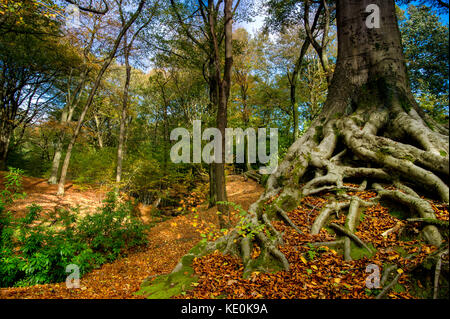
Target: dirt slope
[[39, 192]]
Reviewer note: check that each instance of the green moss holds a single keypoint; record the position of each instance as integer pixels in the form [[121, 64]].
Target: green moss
[[167, 286], [398, 288], [271, 211], [360, 252], [382, 152], [338, 115], [196, 250], [361, 217], [429, 124], [358, 121], [221, 246], [297, 171], [318, 136], [187, 260], [287, 203], [402, 252], [264, 179], [404, 103], [280, 180], [409, 158], [443, 153], [264, 263], [400, 214]]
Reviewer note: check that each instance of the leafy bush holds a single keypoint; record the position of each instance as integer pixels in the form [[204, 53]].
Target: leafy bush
[[36, 249], [114, 228], [12, 186]]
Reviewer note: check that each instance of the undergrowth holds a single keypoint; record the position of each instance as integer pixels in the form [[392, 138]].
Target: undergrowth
[[37, 248]]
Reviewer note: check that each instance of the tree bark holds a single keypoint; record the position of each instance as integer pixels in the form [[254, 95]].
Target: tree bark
[[224, 93], [5, 138], [123, 118]]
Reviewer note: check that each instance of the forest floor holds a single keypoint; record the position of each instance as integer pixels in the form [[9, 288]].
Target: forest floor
[[169, 240], [319, 272]]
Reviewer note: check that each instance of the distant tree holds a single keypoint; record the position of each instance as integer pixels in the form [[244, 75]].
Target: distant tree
[[425, 42], [30, 65], [107, 61]]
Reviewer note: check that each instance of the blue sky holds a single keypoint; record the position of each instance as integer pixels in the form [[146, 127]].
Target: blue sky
[[259, 20]]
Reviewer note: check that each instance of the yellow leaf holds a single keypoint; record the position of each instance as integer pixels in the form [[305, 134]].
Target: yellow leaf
[[337, 280], [303, 259], [393, 257], [400, 271], [314, 267]]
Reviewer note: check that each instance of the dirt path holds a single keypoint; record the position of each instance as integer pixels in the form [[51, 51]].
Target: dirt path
[[169, 241]]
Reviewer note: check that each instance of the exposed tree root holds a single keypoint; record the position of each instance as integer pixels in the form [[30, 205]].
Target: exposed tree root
[[437, 273], [386, 289], [350, 235], [421, 206], [371, 159], [286, 218], [431, 221], [325, 214], [369, 145]]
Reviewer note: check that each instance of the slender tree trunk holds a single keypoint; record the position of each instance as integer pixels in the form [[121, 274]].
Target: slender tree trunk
[[165, 136], [246, 120], [90, 99], [213, 98], [98, 132], [123, 118], [66, 118], [294, 107], [69, 108], [293, 80]]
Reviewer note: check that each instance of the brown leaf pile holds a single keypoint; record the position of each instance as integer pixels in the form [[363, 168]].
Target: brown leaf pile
[[327, 274]]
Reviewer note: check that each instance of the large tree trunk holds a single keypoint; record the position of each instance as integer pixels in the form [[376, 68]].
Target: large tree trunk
[[222, 117], [370, 131], [5, 138]]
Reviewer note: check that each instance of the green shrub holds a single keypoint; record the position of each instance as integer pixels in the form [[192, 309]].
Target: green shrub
[[36, 249], [112, 229], [12, 186]]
